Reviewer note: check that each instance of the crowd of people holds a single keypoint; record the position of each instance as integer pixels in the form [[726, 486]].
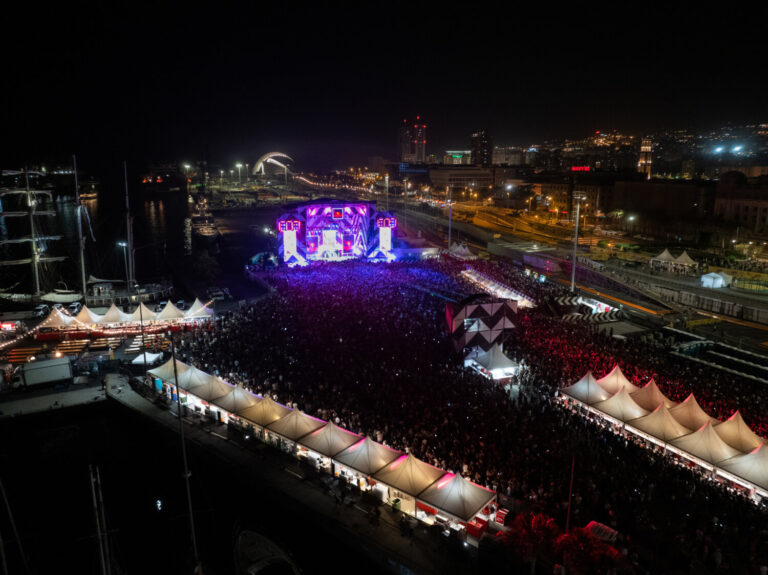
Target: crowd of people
[[366, 346]]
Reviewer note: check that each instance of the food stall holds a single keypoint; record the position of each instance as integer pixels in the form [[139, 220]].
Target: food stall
[[284, 432], [357, 463], [322, 444]]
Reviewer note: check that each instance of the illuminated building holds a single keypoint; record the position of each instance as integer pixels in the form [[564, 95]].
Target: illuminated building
[[413, 141], [457, 157], [645, 160], [482, 149]]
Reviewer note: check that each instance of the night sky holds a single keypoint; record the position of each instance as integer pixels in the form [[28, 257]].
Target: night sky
[[226, 82]]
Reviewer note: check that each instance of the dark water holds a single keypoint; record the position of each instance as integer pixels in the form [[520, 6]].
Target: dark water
[[162, 240]]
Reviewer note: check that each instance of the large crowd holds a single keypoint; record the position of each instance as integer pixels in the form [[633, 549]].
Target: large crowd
[[365, 345]]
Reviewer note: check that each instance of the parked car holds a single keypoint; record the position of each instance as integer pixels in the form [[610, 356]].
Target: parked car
[[42, 310], [181, 304], [58, 306], [74, 308], [159, 307]]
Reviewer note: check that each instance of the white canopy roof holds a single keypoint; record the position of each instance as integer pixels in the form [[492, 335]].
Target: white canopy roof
[[151, 358], [615, 380], [145, 314], [295, 425], [165, 371], [650, 397], [237, 400], [495, 359], [660, 424], [198, 310], [114, 315], [684, 259], [88, 317], [57, 319], [457, 496], [753, 466], [409, 474], [736, 433], [587, 390], [194, 377], [329, 439], [211, 391], [690, 414], [706, 444], [265, 412], [170, 311], [621, 406], [367, 456], [664, 256]]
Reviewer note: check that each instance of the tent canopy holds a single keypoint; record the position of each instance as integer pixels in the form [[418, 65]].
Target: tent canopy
[[621, 406], [198, 310], [706, 444], [57, 319], [87, 316], [170, 311], [690, 414], [409, 474], [151, 358], [753, 466], [664, 256], [295, 425], [736, 433], [213, 390], [495, 359], [265, 412], [165, 371], [330, 440], [114, 315], [194, 377], [142, 313], [237, 400], [457, 496], [367, 456], [684, 260], [616, 380], [586, 390], [660, 424], [650, 397]]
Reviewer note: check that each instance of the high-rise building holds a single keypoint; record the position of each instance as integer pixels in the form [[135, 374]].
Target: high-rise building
[[413, 141], [457, 157], [645, 160], [482, 149]]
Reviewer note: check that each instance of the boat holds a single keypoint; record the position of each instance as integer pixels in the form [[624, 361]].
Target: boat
[[204, 228], [255, 554]]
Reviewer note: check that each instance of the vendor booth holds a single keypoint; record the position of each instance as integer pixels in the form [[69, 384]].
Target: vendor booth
[[323, 444], [284, 432], [358, 462], [263, 413], [493, 364], [458, 505], [236, 401], [403, 480]]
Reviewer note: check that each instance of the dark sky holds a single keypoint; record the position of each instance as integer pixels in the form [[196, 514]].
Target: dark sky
[[329, 86]]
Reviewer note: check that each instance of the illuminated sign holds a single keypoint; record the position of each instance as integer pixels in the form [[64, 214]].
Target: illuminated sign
[[386, 222], [338, 214], [289, 225], [581, 169]]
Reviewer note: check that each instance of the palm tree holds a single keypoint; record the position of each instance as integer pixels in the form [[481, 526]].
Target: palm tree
[[585, 554]]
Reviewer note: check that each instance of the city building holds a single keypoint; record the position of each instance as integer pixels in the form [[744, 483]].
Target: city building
[[645, 160], [507, 156], [482, 149], [743, 203], [461, 177], [413, 141], [457, 157]]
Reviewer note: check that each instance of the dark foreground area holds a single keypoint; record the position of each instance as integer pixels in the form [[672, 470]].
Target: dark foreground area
[[44, 463]]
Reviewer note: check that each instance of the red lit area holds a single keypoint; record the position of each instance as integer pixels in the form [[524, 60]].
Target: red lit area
[[581, 169]]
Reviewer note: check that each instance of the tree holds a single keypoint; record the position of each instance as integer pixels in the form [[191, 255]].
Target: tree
[[532, 535], [585, 554]]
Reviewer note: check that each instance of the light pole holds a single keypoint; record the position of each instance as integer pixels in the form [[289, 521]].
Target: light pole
[[186, 175], [221, 179], [238, 166], [124, 245], [450, 213], [246, 173], [631, 226], [578, 198]]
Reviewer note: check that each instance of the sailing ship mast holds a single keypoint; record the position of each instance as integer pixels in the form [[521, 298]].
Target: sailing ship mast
[[80, 237]]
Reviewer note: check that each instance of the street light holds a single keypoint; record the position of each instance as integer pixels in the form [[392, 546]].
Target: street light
[[238, 166], [124, 245], [246, 173], [221, 179], [578, 198]]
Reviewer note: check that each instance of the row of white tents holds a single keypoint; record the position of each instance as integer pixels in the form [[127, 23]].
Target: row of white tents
[[414, 480], [116, 317], [667, 260], [729, 448]]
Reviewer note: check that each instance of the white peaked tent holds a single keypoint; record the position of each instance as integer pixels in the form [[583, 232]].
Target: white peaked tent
[[367, 456], [706, 444], [615, 380], [151, 358], [265, 412], [461, 251], [409, 474], [57, 319], [88, 317], [457, 496], [329, 440], [684, 260], [295, 425], [170, 311], [586, 390], [165, 371], [237, 400], [213, 390], [753, 466], [114, 315], [650, 397], [621, 406], [194, 377], [660, 424], [690, 414], [498, 364], [663, 257], [736, 433], [142, 313], [198, 310]]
